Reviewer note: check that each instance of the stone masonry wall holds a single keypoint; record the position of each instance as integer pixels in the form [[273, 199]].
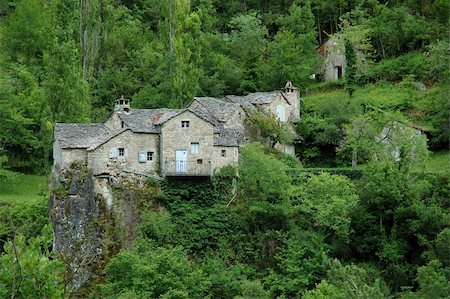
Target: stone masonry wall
[[99, 160], [175, 137], [231, 156], [237, 121], [72, 155]]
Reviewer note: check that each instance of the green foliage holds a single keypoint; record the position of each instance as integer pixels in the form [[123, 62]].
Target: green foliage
[[329, 211], [28, 269], [292, 52], [350, 70], [29, 217], [348, 281], [262, 178], [300, 265], [161, 272], [433, 282], [271, 128], [396, 69], [247, 42]]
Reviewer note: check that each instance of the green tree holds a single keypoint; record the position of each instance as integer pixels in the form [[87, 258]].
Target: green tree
[[328, 201], [247, 42], [301, 264], [350, 69], [261, 176], [292, 52], [271, 128], [161, 272], [348, 281], [64, 86], [28, 269], [433, 282]]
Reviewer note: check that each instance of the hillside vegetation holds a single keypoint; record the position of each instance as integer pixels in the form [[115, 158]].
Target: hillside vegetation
[[273, 226]]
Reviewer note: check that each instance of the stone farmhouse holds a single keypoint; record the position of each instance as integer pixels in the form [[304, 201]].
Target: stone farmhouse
[[172, 142]]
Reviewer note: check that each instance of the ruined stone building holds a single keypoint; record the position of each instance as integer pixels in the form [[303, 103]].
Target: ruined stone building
[[334, 62], [172, 142]]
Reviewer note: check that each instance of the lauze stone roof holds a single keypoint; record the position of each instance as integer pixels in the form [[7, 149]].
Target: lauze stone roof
[[82, 135], [213, 110]]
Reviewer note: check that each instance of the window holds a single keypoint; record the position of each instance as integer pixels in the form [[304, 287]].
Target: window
[[223, 154], [185, 124], [195, 148], [149, 156], [199, 161], [121, 152], [113, 152], [122, 125], [142, 157]]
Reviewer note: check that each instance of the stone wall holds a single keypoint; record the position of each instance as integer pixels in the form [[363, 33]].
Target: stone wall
[[230, 156], [272, 107], [175, 137], [114, 121], [99, 159], [71, 155], [334, 59], [237, 121], [294, 98]]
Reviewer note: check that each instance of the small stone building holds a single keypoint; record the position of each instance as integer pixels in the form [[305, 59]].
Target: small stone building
[[334, 60], [172, 142]]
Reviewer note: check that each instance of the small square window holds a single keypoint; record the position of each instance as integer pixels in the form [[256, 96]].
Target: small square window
[[199, 161], [223, 154], [121, 152], [195, 148], [185, 124], [149, 156]]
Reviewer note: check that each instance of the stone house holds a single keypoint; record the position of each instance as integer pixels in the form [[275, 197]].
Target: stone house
[[334, 62], [171, 142]]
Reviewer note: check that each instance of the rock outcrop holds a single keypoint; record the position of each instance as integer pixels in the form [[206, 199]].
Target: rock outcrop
[[92, 219]]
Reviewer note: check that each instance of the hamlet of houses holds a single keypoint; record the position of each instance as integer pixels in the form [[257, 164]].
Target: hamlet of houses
[[172, 142]]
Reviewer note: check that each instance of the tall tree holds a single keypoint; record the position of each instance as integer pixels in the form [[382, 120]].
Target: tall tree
[[292, 53], [350, 69]]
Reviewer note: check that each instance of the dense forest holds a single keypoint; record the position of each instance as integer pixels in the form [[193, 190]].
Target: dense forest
[[273, 226]]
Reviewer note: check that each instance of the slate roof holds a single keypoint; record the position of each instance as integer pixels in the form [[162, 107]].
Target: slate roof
[[247, 106], [258, 98], [220, 109], [148, 120], [82, 135], [228, 137]]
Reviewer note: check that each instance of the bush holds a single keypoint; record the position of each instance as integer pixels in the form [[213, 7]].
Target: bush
[[158, 273], [396, 69]]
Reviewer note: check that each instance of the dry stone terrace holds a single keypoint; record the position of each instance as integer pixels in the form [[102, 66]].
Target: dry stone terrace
[[172, 142]]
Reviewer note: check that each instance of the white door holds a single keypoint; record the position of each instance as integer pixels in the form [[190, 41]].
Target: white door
[[181, 161], [281, 113]]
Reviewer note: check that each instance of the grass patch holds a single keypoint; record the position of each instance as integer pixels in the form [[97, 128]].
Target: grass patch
[[438, 162], [25, 188], [383, 95]]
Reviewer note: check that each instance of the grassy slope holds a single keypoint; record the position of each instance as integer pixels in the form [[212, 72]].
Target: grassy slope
[[438, 162], [24, 188]]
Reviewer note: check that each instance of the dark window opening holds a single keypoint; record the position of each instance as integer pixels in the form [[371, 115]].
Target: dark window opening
[[338, 70], [185, 124], [121, 151], [149, 156], [199, 161], [223, 153], [122, 125]]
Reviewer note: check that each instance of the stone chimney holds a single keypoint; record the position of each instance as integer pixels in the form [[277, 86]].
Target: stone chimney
[[122, 104], [292, 94]]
